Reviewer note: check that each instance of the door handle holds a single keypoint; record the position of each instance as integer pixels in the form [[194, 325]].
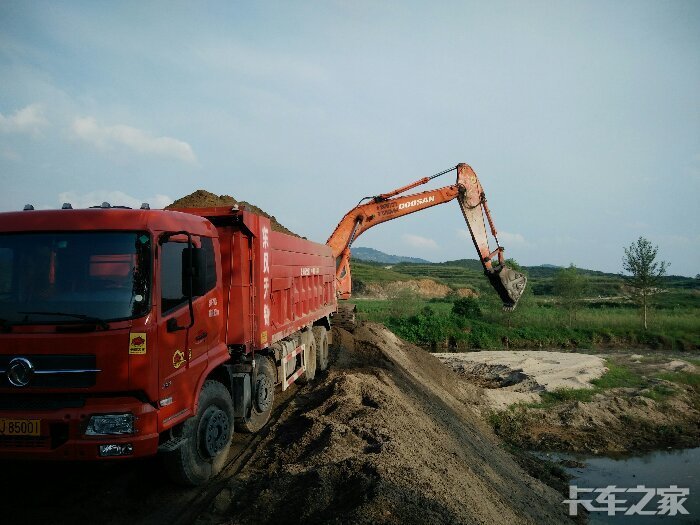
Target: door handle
[[201, 336]]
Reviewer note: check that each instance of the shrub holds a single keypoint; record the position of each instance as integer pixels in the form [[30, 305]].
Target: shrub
[[466, 307]]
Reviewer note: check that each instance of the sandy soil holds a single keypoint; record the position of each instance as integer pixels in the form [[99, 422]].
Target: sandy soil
[[618, 422], [518, 376], [387, 435], [425, 288], [206, 199], [658, 414]]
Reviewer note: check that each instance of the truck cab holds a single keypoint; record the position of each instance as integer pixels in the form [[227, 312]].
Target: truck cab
[[100, 348], [126, 333]]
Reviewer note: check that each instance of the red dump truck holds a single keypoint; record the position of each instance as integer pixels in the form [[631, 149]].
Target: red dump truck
[[126, 333]]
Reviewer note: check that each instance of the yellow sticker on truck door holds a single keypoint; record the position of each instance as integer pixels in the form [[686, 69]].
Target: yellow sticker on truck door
[[137, 343]]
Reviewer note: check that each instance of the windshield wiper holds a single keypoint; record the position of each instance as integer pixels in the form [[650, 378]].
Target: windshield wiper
[[87, 318]]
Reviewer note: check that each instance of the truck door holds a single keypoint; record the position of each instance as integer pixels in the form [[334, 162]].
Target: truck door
[[176, 338], [207, 305]]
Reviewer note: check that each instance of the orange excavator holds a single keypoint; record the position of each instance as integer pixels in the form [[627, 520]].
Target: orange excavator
[[508, 283]]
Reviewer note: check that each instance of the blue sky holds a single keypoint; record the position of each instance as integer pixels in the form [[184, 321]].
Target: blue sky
[[582, 119]]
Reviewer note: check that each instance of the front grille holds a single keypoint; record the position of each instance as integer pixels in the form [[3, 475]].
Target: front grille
[[55, 363], [26, 401]]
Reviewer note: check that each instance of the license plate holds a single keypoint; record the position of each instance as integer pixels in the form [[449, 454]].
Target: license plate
[[20, 427]]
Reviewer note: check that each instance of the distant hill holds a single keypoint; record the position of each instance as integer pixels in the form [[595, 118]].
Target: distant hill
[[372, 255], [468, 272]]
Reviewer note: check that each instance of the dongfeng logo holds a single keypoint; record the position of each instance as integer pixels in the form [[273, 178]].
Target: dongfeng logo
[[20, 371]]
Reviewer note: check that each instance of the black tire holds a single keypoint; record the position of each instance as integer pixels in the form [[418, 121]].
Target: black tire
[[321, 337], [308, 339], [207, 438], [263, 396]]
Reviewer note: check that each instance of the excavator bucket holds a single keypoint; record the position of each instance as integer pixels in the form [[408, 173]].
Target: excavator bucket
[[509, 285]]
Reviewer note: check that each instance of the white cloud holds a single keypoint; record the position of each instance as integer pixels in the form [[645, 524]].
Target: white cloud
[[464, 234], [505, 238], [512, 238], [416, 241], [88, 129], [29, 119], [115, 198], [9, 154]]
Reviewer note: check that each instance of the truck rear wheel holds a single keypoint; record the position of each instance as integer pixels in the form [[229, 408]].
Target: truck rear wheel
[[207, 438], [321, 336], [309, 340], [263, 396]]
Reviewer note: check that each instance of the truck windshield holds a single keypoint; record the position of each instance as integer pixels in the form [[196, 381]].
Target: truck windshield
[[70, 277]]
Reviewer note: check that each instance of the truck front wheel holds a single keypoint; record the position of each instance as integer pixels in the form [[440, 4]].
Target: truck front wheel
[[207, 438], [263, 396]]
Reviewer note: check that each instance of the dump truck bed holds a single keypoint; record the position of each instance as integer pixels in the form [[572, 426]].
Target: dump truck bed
[[274, 283]]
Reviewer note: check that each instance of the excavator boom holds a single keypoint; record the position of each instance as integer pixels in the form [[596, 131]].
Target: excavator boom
[[508, 283]]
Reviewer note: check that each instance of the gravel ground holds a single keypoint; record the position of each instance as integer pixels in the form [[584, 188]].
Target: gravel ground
[[388, 435]]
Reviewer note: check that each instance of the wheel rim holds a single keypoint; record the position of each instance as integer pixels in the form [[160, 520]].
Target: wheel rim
[[215, 431], [264, 393]]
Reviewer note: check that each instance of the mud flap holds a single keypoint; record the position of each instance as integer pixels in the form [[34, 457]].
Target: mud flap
[[242, 396], [509, 285]]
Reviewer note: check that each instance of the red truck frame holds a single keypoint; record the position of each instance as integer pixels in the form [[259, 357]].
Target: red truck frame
[[126, 333]]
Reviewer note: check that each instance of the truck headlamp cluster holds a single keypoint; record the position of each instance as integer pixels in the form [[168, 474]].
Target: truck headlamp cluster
[[110, 424]]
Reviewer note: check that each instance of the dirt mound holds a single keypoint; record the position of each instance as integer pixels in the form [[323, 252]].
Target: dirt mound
[[467, 292], [516, 376], [425, 288], [388, 435], [205, 199], [611, 423]]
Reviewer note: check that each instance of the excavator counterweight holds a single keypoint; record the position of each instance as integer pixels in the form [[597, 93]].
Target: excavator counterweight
[[508, 283]]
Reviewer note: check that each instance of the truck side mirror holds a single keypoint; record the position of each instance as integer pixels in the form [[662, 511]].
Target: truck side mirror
[[197, 272]]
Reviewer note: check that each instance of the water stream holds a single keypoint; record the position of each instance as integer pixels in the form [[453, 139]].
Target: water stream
[[655, 470]]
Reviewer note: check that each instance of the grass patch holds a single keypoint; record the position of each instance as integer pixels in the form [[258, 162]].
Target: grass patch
[[537, 325], [619, 376], [659, 392], [561, 395], [685, 378]]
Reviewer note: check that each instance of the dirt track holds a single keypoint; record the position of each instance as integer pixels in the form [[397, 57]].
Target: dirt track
[[386, 436]]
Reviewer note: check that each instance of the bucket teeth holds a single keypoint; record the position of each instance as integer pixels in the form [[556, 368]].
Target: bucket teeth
[[509, 284]]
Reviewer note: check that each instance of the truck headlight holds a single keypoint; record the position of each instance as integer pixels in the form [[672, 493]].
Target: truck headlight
[[110, 424]]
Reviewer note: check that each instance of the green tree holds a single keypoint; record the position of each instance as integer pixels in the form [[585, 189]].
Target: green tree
[[645, 272], [570, 286], [404, 302], [467, 307]]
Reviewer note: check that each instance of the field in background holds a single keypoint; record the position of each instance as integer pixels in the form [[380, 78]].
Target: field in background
[[607, 316]]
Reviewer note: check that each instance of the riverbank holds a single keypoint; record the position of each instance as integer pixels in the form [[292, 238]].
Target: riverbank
[[565, 402]]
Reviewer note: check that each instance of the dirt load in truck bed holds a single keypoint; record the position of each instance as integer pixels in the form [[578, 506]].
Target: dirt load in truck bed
[[205, 199], [387, 435]]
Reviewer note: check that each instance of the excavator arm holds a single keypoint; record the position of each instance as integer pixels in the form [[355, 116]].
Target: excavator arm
[[468, 192]]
